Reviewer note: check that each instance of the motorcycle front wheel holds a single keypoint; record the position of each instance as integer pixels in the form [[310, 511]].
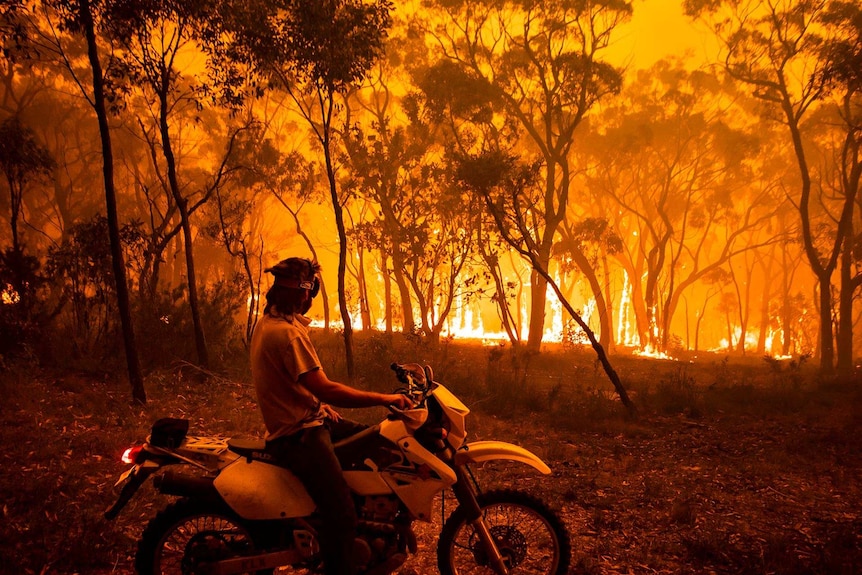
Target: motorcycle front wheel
[[530, 536], [189, 533]]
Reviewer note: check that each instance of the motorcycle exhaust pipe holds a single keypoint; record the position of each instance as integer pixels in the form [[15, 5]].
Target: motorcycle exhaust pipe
[[182, 485]]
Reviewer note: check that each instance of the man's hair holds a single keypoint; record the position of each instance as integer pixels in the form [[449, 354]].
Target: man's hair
[[283, 300]]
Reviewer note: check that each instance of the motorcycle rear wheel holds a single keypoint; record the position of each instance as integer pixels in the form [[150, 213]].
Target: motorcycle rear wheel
[[189, 532], [531, 537]]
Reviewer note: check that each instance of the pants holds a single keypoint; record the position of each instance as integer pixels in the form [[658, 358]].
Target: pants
[[309, 455]]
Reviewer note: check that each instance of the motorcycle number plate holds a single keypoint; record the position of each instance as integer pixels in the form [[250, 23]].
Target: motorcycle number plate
[[126, 475]]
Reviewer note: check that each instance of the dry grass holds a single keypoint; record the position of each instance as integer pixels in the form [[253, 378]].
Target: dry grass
[[732, 465]]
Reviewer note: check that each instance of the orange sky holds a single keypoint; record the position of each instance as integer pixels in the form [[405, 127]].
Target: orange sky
[[659, 29]]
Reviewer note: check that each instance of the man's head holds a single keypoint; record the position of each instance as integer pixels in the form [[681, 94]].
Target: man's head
[[295, 284]]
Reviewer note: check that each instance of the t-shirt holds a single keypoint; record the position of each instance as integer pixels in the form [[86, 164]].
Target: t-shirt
[[281, 351]]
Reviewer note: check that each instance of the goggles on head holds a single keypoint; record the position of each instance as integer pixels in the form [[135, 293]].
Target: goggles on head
[[311, 285]]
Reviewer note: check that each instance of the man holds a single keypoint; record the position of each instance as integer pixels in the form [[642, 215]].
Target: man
[[291, 390]]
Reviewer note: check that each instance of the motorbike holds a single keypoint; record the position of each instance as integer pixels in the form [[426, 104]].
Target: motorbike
[[239, 512]]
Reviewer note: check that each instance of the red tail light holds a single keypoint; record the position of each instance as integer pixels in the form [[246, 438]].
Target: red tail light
[[132, 453]]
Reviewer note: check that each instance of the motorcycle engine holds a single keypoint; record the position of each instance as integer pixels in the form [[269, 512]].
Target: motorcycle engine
[[387, 534], [380, 508]]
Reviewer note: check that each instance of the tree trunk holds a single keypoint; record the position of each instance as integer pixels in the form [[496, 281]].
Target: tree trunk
[[597, 347], [507, 319], [342, 256], [601, 306], [786, 320], [844, 362], [135, 378], [182, 205], [387, 296], [364, 311], [827, 347], [17, 195], [408, 324], [764, 306]]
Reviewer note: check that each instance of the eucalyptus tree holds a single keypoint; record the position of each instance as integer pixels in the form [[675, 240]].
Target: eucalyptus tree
[[387, 165], [775, 48], [455, 107], [157, 37], [50, 28], [541, 62], [23, 160], [843, 55], [584, 246], [316, 51], [500, 180], [666, 157], [423, 223]]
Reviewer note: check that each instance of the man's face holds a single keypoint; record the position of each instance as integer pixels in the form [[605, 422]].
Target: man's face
[[306, 301]]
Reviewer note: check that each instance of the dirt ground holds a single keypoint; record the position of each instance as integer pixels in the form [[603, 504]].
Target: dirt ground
[[713, 492]]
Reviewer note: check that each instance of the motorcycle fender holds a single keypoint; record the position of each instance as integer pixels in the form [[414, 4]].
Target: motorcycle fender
[[257, 490], [479, 451]]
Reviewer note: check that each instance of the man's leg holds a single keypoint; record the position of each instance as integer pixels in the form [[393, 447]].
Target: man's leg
[[313, 461]]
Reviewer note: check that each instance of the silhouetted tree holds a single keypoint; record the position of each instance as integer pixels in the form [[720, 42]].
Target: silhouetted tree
[[318, 50], [541, 62], [155, 34], [22, 160], [776, 50], [500, 181], [71, 21]]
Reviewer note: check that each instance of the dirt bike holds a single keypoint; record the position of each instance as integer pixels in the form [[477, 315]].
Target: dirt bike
[[241, 513]]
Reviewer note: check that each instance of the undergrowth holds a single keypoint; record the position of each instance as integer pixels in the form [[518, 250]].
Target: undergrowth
[[63, 431]]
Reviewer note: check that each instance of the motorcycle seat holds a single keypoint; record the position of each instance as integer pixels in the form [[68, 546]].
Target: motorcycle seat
[[250, 448]]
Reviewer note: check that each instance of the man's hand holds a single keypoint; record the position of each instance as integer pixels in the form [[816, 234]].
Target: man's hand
[[329, 412], [398, 400]]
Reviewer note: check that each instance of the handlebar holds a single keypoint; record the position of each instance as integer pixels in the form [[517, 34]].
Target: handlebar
[[417, 378]]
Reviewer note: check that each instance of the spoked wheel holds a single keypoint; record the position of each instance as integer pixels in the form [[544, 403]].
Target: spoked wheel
[[530, 536], [188, 534]]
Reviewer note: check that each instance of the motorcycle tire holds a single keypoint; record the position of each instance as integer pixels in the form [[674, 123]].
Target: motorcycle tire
[[531, 537], [189, 532]]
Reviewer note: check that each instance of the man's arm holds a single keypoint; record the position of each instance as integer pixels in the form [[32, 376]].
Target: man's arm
[[342, 395]]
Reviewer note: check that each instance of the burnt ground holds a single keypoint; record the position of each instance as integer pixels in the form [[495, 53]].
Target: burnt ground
[[710, 490]]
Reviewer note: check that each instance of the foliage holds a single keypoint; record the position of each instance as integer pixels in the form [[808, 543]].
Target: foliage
[[81, 269], [22, 160], [165, 326], [21, 318]]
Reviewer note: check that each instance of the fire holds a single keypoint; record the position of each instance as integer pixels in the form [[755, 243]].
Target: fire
[[9, 296], [750, 341], [648, 351], [626, 333]]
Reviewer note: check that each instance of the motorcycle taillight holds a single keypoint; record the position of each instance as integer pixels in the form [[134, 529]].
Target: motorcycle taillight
[[132, 454]]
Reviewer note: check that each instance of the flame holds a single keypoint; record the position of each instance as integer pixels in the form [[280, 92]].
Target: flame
[[9, 296], [626, 334], [648, 351], [751, 340]]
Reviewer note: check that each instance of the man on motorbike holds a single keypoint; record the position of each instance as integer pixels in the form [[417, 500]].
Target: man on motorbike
[[291, 389]]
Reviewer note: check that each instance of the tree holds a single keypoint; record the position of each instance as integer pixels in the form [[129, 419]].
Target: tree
[[540, 62], [843, 55], [317, 50], [500, 181], [79, 18], [583, 243], [423, 221], [775, 48], [22, 160], [666, 157], [155, 35]]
